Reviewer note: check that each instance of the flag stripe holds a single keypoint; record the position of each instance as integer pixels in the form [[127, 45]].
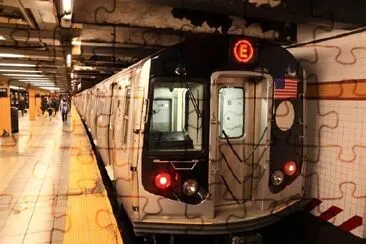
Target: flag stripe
[[285, 88]]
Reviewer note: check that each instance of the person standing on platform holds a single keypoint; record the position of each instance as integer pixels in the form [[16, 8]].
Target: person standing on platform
[[22, 104], [64, 108], [55, 104], [43, 104], [49, 107]]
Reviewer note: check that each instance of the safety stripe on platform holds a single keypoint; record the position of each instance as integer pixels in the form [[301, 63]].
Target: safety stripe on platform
[[315, 202], [352, 223], [330, 213], [89, 215], [349, 225]]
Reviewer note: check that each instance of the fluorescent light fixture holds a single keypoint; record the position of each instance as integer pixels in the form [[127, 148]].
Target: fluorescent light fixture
[[11, 55], [49, 88], [67, 9], [40, 82], [68, 60], [36, 79], [76, 43], [17, 65], [19, 70], [78, 67], [2, 38], [25, 75], [17, 87]]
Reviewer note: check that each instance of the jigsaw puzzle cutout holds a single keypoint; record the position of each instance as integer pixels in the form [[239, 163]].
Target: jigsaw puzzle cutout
[[324, 118]]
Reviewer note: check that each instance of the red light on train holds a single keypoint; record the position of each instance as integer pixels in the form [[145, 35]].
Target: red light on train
[[163, 180], [243, 51], [290, 168]]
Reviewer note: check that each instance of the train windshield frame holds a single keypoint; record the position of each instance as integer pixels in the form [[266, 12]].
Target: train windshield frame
[[176, 119]]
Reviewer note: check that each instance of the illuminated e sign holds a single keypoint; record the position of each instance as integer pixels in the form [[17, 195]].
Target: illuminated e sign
[[243, 51]]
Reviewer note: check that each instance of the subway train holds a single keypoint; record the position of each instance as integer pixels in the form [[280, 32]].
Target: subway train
[[203, 137]]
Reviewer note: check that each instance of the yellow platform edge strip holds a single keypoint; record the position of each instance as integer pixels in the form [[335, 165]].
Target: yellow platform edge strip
[[89, 215]]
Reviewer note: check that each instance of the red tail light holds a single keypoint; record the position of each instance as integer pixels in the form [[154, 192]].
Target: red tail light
[[163, 180], [290, 168]]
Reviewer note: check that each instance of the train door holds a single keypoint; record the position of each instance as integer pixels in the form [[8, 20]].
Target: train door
[[94, 113], [239, 130], [136, 117], [111, 127]]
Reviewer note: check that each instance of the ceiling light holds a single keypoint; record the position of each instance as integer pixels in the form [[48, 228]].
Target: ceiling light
[[2, 38], [67, 8], [76, 43], [38, 82], [77, 67], [35, 79], [68, 60], [11, 55], [25, 75], [17, 65], [19, 70], [49, 88], [44, 85]]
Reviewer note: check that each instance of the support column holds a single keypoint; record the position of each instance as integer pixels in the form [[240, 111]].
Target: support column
[[32, 104], [5, 116], [38, 104]]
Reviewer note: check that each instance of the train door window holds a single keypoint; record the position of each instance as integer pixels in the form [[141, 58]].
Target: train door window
[[176, 118], [162, 113], [125, 115], [231, 112]]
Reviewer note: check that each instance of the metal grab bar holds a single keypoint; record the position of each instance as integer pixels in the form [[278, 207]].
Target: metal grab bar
[[147, 102]]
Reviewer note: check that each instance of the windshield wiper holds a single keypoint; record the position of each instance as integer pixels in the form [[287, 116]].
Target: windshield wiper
[[193, 99]]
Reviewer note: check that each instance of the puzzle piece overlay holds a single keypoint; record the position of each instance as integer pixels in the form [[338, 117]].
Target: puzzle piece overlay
[[336, 126], [336, 136]]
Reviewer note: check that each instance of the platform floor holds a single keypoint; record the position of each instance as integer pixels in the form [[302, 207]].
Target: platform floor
[[50, 186]]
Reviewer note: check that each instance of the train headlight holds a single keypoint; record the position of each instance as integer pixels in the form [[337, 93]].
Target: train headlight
[[277, 178], [190, 187]]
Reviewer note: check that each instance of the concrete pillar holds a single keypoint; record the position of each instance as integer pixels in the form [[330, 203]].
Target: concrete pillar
[[38, 103], [5, 118], [32, 104]]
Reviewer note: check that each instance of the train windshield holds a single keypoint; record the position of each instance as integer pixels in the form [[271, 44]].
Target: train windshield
[[176, 116]]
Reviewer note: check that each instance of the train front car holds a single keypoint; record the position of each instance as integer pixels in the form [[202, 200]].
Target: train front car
[[223, 139]]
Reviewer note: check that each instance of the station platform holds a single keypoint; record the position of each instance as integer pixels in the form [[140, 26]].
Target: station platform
[[51, 190]]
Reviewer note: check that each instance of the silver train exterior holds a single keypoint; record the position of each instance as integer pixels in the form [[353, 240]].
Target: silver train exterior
[[204, 137]]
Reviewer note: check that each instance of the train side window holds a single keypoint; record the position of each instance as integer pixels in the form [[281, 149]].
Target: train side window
[[125, 115], [231, 112]]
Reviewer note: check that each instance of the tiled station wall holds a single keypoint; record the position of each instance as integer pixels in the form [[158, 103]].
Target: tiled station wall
[[336, 135]]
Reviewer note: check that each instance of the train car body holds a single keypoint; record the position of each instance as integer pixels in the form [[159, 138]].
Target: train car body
[[203, 137]]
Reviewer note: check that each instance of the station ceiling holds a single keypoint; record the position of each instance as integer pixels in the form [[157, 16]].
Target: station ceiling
[[62, 43]]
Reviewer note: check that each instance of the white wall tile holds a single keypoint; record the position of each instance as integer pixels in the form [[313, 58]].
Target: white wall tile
[[335, 148]]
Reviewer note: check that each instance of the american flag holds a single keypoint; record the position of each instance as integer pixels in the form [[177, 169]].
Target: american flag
[[285, 88]]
